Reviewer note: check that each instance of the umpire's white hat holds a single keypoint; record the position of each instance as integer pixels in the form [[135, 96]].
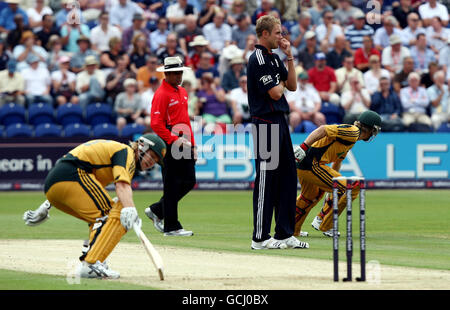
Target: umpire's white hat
[[172, 64]]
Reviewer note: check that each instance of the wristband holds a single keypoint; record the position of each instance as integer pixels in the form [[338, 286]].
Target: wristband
[[291, 58], [304, 146]]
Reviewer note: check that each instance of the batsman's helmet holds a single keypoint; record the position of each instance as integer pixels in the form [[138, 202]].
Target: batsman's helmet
[[152, 142], [370, 120]]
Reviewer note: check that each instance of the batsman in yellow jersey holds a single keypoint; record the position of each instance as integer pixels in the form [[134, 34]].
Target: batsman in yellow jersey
[[328, 144], [76, 186]]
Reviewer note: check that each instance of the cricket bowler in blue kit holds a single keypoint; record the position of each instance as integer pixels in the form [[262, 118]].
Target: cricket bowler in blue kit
[[275, 182]]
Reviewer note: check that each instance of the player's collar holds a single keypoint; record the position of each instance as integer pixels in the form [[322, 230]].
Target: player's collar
[[169, 86], [264, 49]]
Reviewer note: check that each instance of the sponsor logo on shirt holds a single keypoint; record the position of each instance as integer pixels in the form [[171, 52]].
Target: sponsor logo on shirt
[[266, 79]]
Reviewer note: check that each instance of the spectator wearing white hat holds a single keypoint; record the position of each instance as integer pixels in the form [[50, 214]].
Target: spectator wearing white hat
[[128, 105], [90, 82], [306, 56], [230, 79], [392, 56], [64, 83], [198, 45], [415, 102]]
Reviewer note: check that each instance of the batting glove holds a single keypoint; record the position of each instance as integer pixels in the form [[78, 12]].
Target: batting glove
[[38, 216], [128, 217], [300, 152]]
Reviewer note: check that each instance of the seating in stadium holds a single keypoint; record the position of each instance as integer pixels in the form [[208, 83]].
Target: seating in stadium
[[47, 130], [105, 129], [132, 129], [40, 113], [444, 128], [69, 114], [19, 130], [12, 113], [77, 130], [98, 113]]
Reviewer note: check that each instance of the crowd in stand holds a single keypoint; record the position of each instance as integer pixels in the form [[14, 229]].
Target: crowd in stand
[[389, 56]]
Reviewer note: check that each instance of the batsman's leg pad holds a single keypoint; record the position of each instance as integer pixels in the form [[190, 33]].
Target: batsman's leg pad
[[105, 240], [303, 206]]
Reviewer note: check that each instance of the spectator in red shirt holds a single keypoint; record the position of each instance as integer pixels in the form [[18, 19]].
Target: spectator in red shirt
[[363, 54], [170, 121], [322, 77]]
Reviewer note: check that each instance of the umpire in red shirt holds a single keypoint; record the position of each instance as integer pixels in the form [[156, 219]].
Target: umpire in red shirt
[[170, 121], [276, 180]]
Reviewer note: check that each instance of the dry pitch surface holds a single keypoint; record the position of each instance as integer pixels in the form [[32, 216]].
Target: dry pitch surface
[[206, 270]]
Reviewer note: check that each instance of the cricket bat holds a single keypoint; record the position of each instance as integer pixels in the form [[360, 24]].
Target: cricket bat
[[151, 251]]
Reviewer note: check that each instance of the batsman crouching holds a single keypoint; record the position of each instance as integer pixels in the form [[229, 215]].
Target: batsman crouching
[[76, 186], [328, 144]]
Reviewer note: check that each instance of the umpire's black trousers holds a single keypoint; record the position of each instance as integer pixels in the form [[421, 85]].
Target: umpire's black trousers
[[179, 179], [276, 179]]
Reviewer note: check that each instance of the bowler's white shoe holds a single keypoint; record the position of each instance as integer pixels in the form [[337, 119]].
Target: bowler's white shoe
[[270, 243], [316, 223], [157, 222], [180, 232], [329, 233], [98, 270], [294, 243]]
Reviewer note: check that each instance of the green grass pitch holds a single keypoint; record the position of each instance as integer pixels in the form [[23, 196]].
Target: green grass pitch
[[404, 228]]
